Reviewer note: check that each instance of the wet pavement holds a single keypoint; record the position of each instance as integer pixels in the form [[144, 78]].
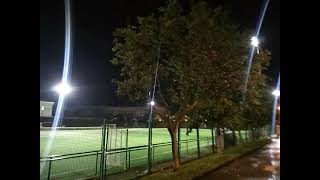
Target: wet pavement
[[263, 164]]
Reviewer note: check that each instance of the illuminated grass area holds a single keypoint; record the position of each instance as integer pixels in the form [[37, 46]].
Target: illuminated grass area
[[86, 140]]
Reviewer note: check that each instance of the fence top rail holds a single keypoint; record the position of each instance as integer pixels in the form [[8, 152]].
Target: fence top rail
[[71, 128], [66, 157], [72, 154]]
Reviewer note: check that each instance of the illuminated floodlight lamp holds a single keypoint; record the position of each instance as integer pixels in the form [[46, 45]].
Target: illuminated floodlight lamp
[[276, 93], [254, 41], [63, 89], [152, 103]]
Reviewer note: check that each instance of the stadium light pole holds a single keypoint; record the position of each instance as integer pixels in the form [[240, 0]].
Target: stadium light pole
[[152, 104], [255, 43]]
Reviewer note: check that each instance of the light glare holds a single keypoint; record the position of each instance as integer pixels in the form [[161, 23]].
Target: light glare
[[276, 93], [63, 88], [254, 41]]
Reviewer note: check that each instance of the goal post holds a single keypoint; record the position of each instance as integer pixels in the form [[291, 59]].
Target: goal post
[[115, 141]]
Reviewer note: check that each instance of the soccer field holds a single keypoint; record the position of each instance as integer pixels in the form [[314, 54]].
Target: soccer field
[[85, 140]]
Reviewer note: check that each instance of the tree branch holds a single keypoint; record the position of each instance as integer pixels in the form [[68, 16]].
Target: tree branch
[[186, 111], [161, 112], [161, 96]]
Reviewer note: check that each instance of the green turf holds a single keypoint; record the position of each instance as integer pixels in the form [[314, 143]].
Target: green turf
[[77, 141]]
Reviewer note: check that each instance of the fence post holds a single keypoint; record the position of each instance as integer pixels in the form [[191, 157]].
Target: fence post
[[49, 172], [102, 161], [121, 139], [153, 154], [198, 143], [115, 142], [97, 162], [119, 154], [187, 147], [129, 159], [234, 138], [179, 153], [150, 142], [212, 138], [253, 138], [106, 156], [127, 149], [247, 136]]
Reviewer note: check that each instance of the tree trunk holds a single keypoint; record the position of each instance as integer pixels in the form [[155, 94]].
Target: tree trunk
[[240, 138], [198, 143], [175, 153], [179, 145], [219, 139], [173, 129], [252, 134], [246, 135], [234, 137]]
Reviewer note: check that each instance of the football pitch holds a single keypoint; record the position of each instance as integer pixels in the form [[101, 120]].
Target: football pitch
[[82, 140]]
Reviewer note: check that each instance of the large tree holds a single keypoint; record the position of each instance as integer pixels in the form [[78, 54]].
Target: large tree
[[256, 108], [201, 58]]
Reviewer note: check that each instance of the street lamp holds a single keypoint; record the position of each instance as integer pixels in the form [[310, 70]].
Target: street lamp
[[63, 89], [276, 93], [152, 103], [255, 42]]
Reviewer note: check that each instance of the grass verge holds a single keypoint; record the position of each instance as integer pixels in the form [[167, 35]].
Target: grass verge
[[200, 167]]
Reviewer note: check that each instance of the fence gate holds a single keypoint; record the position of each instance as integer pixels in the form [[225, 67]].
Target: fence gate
[[113, 140]]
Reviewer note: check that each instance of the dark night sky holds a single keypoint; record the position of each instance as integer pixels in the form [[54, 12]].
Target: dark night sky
[[93, 23]]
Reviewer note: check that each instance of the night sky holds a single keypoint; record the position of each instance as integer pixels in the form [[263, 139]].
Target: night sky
[[93, 23]]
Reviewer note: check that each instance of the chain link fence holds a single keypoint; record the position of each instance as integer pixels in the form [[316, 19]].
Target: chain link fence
[[117, 151]]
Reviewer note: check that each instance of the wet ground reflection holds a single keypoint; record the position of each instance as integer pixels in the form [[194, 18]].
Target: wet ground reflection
[[263, 164]]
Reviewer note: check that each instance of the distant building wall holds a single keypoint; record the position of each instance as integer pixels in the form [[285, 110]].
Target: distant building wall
[[46, 108], [86, 116]]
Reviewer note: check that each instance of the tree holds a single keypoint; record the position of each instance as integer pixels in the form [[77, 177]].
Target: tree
[[258, 101], [202, 54]]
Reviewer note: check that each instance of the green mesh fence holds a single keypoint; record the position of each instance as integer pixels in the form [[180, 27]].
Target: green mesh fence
[[76, 152]]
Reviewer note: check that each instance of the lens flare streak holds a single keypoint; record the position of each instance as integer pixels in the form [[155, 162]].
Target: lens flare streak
[[65, 77], [275, 105], [253, 48]]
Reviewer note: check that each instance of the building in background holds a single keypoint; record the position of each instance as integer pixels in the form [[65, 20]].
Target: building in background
[[46, 108], [83, 116]]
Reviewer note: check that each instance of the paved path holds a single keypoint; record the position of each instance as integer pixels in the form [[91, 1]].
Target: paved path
[[261, 165]]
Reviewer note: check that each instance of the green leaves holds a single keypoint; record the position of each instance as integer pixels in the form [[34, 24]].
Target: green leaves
[[202, 58]]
